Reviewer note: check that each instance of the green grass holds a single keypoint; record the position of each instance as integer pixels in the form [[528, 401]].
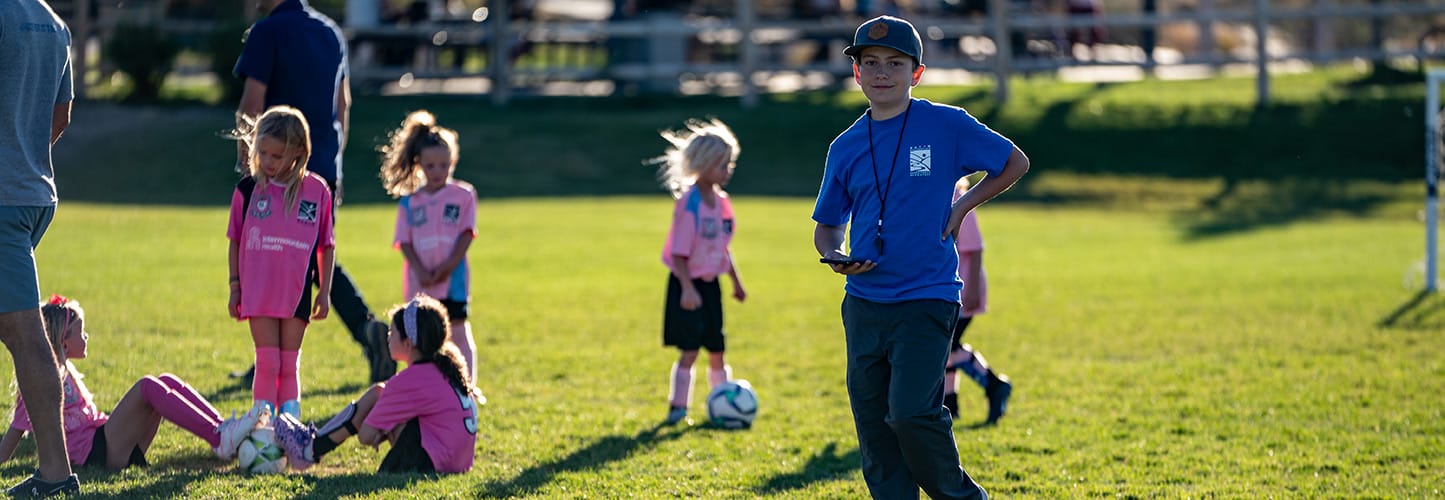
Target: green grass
[[1287, 361]]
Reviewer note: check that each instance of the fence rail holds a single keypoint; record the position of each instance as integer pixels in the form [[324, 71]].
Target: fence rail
[[739, 54]]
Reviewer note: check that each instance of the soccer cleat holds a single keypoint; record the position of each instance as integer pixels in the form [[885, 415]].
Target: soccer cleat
[[296, 439], [35, 487], [235, 429], [999, 390], [378, 352], [675, 415]]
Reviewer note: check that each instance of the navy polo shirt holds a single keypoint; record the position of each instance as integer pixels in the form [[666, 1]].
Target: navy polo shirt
[[941, 143], [300, 55]]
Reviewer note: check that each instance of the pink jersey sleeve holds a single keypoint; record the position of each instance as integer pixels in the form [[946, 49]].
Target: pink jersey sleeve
[[238, 207], [684, 230], [400, 401], [402, 233], [21, 419], [327, 238], [469, 214]]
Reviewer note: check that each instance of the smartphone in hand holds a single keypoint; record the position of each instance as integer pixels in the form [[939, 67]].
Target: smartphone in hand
[[846, 261]]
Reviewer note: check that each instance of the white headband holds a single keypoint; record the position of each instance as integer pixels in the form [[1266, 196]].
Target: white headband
[[408, 318]]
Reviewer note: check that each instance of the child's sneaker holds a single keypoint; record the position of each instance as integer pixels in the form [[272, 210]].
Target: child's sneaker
[[235, 429], [675, 414], [35, 487], [999, 390], [292, 407], [295, 438]]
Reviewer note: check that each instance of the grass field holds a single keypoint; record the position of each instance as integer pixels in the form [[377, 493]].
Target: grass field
[[1149, 361], [1195, 297]]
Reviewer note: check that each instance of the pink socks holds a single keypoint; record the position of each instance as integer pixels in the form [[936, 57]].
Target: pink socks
[[288, 385], [179, 403], [277, 376]]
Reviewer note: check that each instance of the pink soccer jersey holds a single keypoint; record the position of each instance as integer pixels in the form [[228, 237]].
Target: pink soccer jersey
[[970, 240], [702, 234], [78, 415], [432, 223], [279, 244], [448, 418]]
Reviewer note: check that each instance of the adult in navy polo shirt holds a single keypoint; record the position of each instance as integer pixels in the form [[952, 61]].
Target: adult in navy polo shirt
[[296, 56], [891, 176]]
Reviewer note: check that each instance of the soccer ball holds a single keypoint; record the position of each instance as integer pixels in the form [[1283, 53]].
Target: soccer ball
[[732, 405], [260, 453]]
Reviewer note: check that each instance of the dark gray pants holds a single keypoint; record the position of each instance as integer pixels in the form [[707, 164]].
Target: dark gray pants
[[896, 355]]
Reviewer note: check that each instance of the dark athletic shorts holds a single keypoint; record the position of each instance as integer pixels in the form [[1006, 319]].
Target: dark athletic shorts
[[701, 327]]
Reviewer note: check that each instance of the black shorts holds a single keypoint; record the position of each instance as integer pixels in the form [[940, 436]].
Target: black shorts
[[701, 327], [456, 309], [99, 451], [406, 453], [958, 328]]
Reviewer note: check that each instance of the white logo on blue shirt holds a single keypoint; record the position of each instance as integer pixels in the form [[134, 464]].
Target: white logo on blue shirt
[[920, 161]]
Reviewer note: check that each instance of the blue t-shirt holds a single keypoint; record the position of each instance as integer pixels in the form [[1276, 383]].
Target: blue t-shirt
[[34, 78], [300, 55], [942, 144]]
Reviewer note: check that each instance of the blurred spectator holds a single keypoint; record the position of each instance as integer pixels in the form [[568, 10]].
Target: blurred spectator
[[1088, 36]]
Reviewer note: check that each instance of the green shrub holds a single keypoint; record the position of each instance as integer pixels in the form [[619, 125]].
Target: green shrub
[[144, 54]]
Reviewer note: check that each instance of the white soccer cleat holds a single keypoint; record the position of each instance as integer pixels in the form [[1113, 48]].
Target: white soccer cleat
[[235, 429]]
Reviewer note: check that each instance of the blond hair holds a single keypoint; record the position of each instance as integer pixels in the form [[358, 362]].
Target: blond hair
[[58, 314], [288, 125], [698, 146], [399, 173]]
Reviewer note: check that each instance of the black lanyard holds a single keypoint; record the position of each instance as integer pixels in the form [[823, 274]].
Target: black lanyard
[[892, 166]]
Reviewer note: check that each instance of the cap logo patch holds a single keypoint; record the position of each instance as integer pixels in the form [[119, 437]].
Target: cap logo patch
[[878, 30]]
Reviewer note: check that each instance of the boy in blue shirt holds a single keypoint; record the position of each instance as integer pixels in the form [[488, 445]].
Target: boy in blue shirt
[[891, 175]]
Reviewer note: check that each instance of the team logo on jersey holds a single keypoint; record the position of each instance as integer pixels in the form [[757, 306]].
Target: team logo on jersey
[[451, 213], [263, 207], [728, 226], [709, 228], [418, 216], [307, 212], [253, 238], [920, 161]]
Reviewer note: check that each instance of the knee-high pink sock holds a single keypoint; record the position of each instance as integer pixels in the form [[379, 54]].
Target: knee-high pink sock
[[175, 408], [180, 387], [268, 371], [288, 385]]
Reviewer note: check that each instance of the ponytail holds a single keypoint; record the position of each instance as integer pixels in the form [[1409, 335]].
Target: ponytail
[[399, 173]]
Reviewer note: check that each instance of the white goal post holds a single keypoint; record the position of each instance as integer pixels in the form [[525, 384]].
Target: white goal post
[[1433, 137]]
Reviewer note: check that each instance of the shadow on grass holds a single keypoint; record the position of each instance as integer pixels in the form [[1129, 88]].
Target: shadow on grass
[[594, 456], [1424, 311], [825, 465], [1251, 205]]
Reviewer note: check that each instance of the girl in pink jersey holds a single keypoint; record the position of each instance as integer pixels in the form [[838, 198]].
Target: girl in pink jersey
[[120, 439], [281, 237], [436, 220], [696, 166], [428, 411], [973, 300]]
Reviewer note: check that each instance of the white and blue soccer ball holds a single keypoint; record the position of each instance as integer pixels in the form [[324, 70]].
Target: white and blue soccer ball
[[732, 405], [260, 453]]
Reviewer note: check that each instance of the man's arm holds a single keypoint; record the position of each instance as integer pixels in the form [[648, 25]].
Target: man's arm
[[253, 103], [343, 115], [828, 241], [986, 189], [59, 121]]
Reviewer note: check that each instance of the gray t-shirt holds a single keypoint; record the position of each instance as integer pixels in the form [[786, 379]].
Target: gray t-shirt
[[34, 78]]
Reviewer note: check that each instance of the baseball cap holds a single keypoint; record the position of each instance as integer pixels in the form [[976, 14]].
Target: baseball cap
[[887, 31]]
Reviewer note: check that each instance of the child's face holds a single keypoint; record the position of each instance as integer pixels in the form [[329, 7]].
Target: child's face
[[719, 174], [274, 156], [76, 340], [398, 345], [436, 163], [886, 75]]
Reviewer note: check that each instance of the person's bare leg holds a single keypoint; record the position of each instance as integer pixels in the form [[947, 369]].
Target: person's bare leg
[[38, 376], [133, 423]]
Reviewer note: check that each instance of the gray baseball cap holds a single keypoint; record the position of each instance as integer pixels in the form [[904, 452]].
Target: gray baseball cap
[[887, 31]]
